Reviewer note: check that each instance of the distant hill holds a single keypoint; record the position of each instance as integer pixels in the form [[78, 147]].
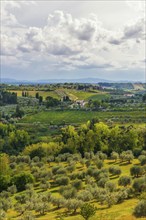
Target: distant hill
[[102, 82], [50, 81]]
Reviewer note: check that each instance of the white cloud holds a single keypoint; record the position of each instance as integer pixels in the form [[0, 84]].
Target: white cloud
[[67, 42], [138, 5], [135, 30]]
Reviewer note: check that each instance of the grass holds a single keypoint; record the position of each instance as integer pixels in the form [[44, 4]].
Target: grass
[[122, 211], [41, 93], [72, 93], [85, 95], [99, 96], [78, 117]]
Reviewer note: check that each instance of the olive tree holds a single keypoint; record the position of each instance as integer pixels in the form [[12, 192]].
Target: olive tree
[[73, 204], [87, 210], [140, 209], [114, 156], [124, 181], [59, 202], [136, 171]]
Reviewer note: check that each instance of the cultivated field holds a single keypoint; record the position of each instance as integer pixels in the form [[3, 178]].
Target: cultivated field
[[122, 211]]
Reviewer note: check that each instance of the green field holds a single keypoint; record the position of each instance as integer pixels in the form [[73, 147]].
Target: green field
[[78, 117], [86, 95], [41, 93], [103, 212], [72, 93]]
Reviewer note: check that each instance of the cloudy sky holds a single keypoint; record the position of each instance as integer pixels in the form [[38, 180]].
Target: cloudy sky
[[73, 39]]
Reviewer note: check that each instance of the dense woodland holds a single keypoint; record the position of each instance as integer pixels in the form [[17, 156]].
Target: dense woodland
[[72, 151]]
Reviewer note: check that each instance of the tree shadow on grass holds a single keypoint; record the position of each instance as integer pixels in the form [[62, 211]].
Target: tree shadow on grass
[[66, 214], [38, 215], [124, 163], [103, 208], [111, 162], [62, 215], [42, 190], [54, 191], [113, 177]]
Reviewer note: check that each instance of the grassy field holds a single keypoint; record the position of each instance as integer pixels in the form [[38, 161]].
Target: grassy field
[[41, 93], [122, 211], [72, 93], [78, 117], [86, 95]]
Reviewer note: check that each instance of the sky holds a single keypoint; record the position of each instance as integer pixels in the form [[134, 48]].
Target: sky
[[73, 39]]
